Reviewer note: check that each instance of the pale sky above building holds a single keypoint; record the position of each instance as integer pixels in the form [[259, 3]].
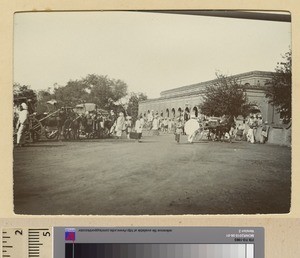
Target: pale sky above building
[[150, 52]]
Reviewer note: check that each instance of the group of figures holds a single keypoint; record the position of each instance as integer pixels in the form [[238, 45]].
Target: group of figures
[[65, 123], [226, 128], [254, 129]]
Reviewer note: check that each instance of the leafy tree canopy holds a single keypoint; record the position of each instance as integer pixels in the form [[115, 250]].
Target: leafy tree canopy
[[20, 91], [93, 88], [279, 91], [133, 104], [225, 97]]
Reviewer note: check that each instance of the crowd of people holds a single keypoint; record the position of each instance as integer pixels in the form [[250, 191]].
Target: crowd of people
[[252, 129]]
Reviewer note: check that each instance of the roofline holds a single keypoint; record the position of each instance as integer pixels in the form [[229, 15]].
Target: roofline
[[256, 88], [256, 72]]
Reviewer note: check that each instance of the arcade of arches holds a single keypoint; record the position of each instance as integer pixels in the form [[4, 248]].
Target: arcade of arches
[[172, 102]]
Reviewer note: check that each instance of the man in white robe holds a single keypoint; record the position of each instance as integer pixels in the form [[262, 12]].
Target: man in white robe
[[21, 123]]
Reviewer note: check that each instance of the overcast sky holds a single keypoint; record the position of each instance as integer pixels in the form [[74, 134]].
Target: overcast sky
[[150, 52]]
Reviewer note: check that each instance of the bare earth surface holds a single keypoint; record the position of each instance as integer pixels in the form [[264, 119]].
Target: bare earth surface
[[157, 176]]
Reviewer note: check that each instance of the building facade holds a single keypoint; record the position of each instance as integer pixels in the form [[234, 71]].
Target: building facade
[[172, 102]]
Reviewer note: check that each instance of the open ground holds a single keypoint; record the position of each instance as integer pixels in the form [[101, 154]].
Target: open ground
[[157, 176]]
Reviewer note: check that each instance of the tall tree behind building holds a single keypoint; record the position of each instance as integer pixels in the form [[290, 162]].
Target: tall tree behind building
[[279, 90], [225, 97]]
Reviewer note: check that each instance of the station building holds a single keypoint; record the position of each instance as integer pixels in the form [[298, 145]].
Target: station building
[[172, 102]]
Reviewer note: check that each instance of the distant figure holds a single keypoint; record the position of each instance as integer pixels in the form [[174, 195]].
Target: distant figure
[[170, 125], [252, 127], [186, 116], [150, 118], [128, 123], [21, 123], [155, 125], [139, 127], [178, 128], [264, 132], [142, 120], [120, 125], [112, 118]]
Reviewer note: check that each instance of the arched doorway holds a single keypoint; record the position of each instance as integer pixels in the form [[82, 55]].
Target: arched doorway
[[186, 115], [173, 112], [179, 111], [168, 113], [195, 111]]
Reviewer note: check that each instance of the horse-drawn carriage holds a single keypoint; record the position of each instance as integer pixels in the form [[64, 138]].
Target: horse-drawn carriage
[[215, 128], [219, 128], [90, 122], [84, 121]]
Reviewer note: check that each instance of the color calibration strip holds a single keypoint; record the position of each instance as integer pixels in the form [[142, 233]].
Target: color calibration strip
[[85, 250], [158, 242]]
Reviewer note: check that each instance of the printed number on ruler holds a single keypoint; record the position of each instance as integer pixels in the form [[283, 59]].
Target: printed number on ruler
[[26, 243]]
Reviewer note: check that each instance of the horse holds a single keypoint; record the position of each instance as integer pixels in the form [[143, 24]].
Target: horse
[[71, 126], [224, 128], [54, 122], [86, 126], [217, 131]]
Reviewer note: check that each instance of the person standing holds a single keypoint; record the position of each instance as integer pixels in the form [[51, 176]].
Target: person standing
[[252, 128], [264, 132], [178, 128], [128, 126], [155, 125], [150, 120], [21, 123], [120, 125], [186, 117], [139, 127], [112, 118]]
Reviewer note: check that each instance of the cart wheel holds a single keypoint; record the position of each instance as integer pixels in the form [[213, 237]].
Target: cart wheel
[[51, 133]]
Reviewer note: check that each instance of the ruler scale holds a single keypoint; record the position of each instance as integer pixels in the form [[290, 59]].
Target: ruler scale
[[27, 243]]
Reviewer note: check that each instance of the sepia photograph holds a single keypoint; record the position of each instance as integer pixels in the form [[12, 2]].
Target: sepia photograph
[[152, 112]]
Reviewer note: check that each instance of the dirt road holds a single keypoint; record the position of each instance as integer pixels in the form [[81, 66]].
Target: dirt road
[[156, 176]]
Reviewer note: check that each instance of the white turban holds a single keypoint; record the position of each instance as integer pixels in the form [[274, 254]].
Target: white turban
[[24, 106]]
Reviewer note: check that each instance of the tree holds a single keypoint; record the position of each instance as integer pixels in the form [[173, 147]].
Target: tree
[[225, 97], [43, 96], [279, 90], [24, 91], [72, 94], [103, 90], [133, 104], [97, 89]]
